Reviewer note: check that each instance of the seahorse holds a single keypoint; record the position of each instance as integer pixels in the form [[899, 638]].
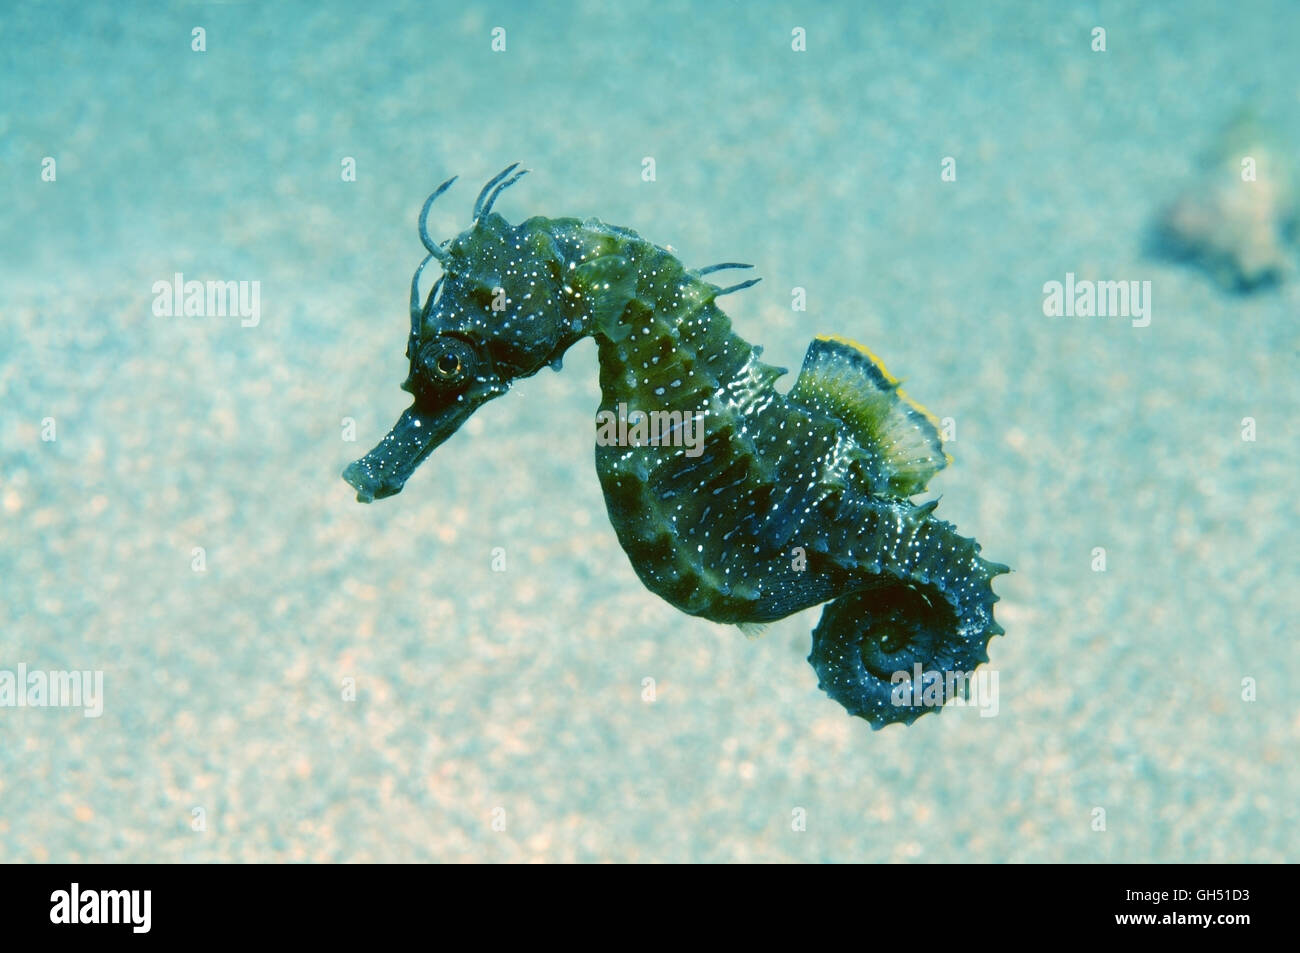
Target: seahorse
[[782, 502]]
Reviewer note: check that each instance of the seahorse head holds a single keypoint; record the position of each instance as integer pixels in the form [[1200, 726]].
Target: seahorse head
[[500, 311], [501, 305]]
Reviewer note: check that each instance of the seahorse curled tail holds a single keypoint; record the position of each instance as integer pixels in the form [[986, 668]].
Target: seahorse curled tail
[[916, 615]]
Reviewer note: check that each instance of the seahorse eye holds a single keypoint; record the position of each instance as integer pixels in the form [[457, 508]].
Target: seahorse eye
[[447, 361]]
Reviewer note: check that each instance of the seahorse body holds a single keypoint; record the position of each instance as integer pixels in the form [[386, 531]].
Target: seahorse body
[[784, 501]]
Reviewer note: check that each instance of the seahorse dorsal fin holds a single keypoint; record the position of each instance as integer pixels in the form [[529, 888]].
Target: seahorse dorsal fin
[[752, 630], [844, 380]]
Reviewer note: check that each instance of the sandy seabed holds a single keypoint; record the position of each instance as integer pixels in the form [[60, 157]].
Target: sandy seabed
[[502, 715]]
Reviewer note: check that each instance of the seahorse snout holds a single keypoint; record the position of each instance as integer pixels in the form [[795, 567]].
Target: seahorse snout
[[385, 469]]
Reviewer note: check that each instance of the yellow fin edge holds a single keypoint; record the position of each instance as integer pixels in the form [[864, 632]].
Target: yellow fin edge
[[884, 371]]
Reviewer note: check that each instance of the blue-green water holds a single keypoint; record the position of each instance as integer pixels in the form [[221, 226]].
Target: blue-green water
[[186, 533]]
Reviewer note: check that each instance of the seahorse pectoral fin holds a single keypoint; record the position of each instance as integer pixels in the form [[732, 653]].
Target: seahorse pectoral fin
[[844, 380], [609, 283]]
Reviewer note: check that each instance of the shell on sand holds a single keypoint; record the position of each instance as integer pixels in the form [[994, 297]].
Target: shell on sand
[[1239, 227]]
